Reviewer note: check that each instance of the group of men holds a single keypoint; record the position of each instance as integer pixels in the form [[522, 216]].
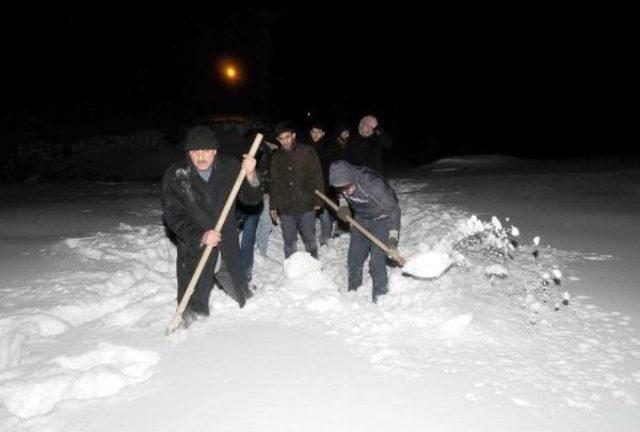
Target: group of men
[[282, 190]]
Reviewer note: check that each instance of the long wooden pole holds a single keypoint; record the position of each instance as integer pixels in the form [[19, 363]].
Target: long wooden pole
[[393, 254], [177, 316]]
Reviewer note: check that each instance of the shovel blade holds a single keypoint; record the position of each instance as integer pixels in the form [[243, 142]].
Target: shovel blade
[[428, 265]]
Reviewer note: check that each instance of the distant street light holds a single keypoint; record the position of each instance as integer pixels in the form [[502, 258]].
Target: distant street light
[[230, 71]]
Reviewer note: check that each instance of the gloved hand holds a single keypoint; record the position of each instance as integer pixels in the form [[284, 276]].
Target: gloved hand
[[343, 213], [392, 244]]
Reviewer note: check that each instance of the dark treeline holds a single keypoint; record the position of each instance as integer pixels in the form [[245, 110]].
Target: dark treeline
[[527, 80]]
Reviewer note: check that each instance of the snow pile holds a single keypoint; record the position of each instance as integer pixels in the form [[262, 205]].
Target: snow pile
[[101, 372], [496, 312], [300, 264], [428, 265], [136, 295]]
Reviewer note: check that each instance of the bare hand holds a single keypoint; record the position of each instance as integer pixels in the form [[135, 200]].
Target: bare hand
[[249, 165], [211, 238], [274, 216]]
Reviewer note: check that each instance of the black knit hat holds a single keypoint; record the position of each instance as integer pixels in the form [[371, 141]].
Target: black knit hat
[[317, 124], [285, 126], [341, 126], [201, 138]]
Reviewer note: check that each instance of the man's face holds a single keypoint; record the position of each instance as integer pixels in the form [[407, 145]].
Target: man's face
[[316, 134], [344, 135], [348, 190], [367, 127], [286, 140], [202, 159]]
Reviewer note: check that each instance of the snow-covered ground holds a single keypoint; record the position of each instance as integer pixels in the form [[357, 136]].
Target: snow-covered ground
[[88, 286]]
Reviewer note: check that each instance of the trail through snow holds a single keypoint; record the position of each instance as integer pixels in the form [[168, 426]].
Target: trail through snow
[[93, 328]]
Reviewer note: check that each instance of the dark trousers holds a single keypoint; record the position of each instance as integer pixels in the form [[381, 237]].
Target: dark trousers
[[305, 223], [199, 301], [360, 247], [247, 244]]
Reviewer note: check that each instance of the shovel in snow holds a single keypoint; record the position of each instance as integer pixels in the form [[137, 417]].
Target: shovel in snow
[[429, 265], [177, 316]]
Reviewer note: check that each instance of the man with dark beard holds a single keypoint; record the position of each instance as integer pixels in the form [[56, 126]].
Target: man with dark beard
[[193, 194]]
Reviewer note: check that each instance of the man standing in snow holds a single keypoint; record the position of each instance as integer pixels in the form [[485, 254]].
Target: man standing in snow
[[367, 147], [328, 152], [193, 195], [295, 174], [376, 208]]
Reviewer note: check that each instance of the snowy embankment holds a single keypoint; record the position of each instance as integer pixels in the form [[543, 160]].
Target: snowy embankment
[[54, 334], [502, 316]]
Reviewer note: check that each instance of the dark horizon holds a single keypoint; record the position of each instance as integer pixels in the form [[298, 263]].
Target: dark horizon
[[538, 80]]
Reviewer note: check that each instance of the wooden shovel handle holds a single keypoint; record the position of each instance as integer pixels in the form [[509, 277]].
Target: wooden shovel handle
[[394, 255], [177, 316]]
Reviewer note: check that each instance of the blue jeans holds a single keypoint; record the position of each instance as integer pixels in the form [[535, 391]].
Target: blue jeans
[[248, 242], [306, 224], [360, 247], [326, 225], [264, 227]]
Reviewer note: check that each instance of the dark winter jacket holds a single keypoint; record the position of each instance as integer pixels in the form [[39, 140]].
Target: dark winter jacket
[[368, 151], [263, 167], [295, 174], [192, 206], [328, 152], [373, 198]]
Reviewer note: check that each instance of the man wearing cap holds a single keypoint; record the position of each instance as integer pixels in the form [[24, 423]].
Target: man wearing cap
[[193, 194], [376, 208], [295, 174], [367, 147]]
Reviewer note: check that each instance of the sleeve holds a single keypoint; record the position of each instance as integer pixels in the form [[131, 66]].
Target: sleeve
[[175, 215], [274, 184], [317, 178], [249, 194], [263, 170], [383, 194], [385, 140]]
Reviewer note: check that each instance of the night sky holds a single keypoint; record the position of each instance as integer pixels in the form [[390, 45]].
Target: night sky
[[524, 79]]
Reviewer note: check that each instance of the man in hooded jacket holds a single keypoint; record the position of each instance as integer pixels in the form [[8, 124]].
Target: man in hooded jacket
[[193, 195], [376, 208]]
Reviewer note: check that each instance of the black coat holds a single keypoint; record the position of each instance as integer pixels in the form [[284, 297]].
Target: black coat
[[295, 174], [192, 206], [368, 151], [328, 152]]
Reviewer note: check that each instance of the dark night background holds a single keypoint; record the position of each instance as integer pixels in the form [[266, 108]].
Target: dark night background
[[526, 79]]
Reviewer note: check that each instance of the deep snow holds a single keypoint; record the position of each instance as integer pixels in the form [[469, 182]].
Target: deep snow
[[88, 288]]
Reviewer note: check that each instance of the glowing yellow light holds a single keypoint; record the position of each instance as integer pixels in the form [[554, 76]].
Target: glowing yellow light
[[231, 72]]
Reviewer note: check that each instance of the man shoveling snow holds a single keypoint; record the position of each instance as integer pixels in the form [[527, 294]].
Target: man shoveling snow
[[193, 196], [376, 208]]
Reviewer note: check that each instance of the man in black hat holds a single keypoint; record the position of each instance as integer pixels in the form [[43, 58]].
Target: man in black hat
[[193, 194], [295, 174], [376, 208]]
